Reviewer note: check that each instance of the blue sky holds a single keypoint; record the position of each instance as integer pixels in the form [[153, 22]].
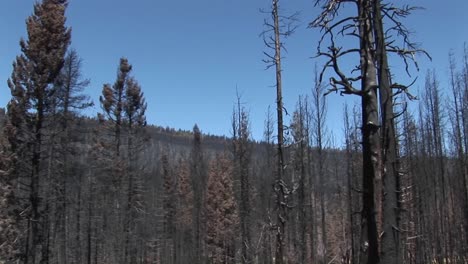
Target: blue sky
[[189, 56]]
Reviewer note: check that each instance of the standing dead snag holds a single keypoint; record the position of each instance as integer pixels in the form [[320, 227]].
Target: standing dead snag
[[360, 26], [241, 149], [459, 120], [319, 113], [300, 141], [388, 195], [386, 44], [352, 140], [380, 199], [66, 102], [279, 27]]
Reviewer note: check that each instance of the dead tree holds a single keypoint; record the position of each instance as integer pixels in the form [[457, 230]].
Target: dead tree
[[198, 171], [66, 103], [278, 28], [379, 154], [241, 149], [124, 107], [300, 135], [352, 158], [387, 44], [319, 112], [458, 120], [360, 26]]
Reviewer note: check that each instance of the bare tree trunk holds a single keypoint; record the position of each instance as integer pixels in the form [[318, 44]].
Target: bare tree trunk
[[351, 141], [319, 116], [303, 182], [34, 197], [370, 134], [390, 248], [241, 151], [280, 187]]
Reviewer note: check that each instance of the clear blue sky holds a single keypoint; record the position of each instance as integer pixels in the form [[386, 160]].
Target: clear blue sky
[[189, 56]]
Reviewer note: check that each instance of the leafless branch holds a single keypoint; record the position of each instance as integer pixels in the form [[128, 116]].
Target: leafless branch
[[401, 88], [407, 50]]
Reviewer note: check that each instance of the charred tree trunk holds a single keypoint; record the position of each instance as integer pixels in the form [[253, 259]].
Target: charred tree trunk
[[390, 248], [280, 187], [370, 134], [241, 151]]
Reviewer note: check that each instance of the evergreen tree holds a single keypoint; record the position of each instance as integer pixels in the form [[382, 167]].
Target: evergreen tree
[[199, 178], [31, 85], [69, 89], [113, 102], [169, 206], [123, 117], [67, 101], [221, 212], [9, 231], [184, 214]]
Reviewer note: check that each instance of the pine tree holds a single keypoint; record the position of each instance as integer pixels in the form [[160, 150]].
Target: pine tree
[[135, 105], [66, 102], [134, 108], [124, 107], [169, 206], [221, 212], [113, 102], [9, 231], [185, 195], [31, 85], [184, 214], [199, 178], [69, 89]]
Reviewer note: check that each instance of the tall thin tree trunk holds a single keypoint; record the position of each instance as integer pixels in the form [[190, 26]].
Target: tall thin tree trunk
[[34, 195], [370, 135], [390, 241], [280, 187]]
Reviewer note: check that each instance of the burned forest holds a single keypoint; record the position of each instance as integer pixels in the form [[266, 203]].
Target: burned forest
[[384, 181]]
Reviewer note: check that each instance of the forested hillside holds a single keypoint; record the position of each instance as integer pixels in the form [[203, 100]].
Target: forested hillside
[[114, 189]]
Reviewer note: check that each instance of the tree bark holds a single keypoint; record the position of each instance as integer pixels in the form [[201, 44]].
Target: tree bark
[[279, 184], [370, 134], [390, 241]]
